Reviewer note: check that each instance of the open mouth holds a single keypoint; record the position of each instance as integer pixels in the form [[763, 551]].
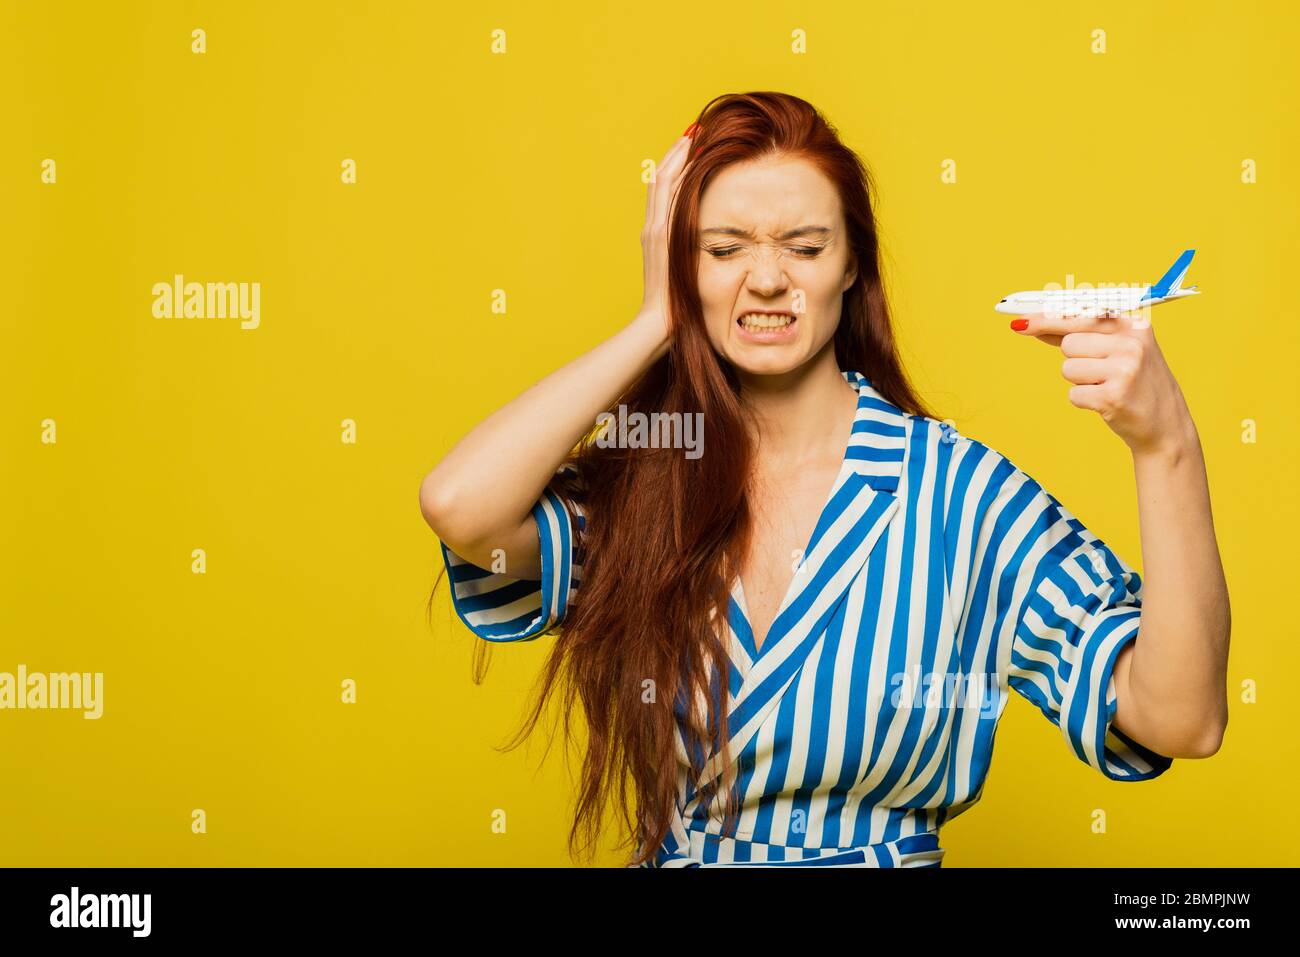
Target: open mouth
[[767, 324]]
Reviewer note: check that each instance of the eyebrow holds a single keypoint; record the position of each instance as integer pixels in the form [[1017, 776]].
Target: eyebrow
[[788, 234]]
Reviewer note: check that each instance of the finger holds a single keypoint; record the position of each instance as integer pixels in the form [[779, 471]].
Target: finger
[[1095, 345], [1089, 397], [1039, 323], [1139, 323], [662, 171], [676, 176], [663, 188], [673, 161], [1087, 371]]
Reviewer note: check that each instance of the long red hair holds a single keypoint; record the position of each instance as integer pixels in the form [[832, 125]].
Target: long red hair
[[666, 535]]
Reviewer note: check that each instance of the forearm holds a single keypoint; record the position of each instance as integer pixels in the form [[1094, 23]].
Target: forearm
[[488, 483], [1176, 676]]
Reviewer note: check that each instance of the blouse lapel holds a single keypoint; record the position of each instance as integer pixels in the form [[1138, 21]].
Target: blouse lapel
[[855, 515]]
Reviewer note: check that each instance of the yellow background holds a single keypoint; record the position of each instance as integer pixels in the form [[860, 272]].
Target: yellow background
[[522, 172]]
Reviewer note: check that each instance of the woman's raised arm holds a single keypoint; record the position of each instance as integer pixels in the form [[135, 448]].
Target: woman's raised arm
[[480, 496]]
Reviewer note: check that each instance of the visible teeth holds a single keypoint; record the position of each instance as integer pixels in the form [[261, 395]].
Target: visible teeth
[[755, 320]]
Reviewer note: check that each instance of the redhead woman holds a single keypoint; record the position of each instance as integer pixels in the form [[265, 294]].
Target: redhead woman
[[793, 636]]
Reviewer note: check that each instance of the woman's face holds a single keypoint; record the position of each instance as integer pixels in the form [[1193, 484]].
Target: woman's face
[[772, 238]]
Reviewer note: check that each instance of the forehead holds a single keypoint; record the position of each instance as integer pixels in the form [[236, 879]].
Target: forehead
[[768, 194]]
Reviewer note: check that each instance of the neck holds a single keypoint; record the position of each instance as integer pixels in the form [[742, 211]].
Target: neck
[[801, 415]]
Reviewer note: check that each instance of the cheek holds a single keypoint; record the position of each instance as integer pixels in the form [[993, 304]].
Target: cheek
[[821, 289], [718, 295], [831, 304]]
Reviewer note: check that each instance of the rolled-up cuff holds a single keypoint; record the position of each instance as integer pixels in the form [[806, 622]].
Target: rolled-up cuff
[[497, 607]]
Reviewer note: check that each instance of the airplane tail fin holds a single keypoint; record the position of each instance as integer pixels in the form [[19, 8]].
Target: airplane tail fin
[[1172, 280]]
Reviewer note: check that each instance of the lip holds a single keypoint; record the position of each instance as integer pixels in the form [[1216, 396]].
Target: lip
[[768, 336]]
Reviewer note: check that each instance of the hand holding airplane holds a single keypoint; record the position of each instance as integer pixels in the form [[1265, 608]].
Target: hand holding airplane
[[1113, 360]]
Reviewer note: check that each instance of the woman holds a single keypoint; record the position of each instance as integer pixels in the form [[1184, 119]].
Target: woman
[[870, 582]]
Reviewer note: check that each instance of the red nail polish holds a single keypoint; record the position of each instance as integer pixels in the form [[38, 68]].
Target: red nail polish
[[691, 129], [1020, 325]]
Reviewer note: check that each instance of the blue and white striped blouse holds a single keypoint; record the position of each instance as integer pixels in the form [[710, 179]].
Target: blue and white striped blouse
[[939, 574]]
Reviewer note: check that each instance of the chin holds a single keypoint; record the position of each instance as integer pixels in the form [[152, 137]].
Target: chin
[[767, 360]]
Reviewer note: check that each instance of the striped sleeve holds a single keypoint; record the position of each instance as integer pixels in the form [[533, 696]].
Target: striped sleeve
[[497, 607], [1083, 604]]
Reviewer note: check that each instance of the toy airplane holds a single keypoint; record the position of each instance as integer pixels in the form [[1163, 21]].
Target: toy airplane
[[1089, 303]]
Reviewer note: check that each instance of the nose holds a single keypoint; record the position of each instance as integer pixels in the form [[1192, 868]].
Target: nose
[[767, 277]]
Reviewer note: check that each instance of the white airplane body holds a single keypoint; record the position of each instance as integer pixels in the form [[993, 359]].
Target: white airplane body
[[1089, 303]]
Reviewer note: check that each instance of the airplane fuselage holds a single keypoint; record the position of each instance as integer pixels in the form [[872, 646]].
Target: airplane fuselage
[[1085, 303]]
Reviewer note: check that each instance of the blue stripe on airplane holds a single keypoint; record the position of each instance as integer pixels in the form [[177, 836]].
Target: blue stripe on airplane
[[1161, 289]]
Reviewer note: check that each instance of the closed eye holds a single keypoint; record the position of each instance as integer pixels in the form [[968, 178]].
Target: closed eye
[[807, 252]]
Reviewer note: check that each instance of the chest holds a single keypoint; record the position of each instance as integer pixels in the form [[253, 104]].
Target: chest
[[882, 675], [784, 510]]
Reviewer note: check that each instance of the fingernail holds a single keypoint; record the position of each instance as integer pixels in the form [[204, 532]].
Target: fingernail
[[691, 129], [1020, 325]]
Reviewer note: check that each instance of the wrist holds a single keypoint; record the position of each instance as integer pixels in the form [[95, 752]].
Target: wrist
[[652, 330], [1174, 445]]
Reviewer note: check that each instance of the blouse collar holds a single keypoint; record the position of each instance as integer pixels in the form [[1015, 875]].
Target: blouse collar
[[878, 439]]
